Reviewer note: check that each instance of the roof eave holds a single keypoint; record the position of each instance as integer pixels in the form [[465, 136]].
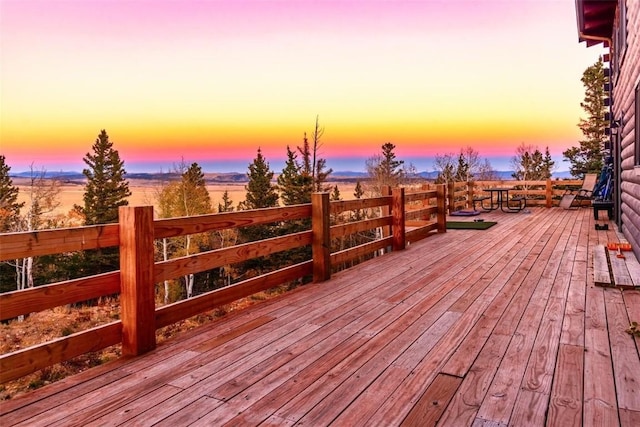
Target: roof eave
[[595, 20]]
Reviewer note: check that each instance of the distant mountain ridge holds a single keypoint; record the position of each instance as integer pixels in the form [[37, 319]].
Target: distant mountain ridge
[[237, 177]]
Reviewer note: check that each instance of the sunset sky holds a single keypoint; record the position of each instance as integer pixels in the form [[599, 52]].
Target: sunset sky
[[210, 81]]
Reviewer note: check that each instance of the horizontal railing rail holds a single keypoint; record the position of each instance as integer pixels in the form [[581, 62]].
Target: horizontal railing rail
[[547, 193], [135, 235]]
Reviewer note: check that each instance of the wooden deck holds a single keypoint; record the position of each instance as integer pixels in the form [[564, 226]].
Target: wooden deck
[[502, 327]]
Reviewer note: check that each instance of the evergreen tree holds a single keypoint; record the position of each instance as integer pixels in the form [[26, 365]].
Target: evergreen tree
[[295, 188], [305, 152], [547, 166], [9, 206], [335, 194], [321, 175], [106, 189], [227, 203], [588, 156], [385, 169], [261, 193], [294, 184]]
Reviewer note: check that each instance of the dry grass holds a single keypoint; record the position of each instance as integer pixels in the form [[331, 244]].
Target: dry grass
[[63, 321], [143, 193]]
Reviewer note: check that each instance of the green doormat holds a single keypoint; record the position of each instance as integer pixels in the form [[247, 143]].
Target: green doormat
[[470, 225]]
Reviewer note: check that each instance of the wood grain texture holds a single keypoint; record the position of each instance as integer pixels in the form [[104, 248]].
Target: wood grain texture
[[398, 216], [171, 269], [49, 296], [173, 227], [321, 237], [45, 242], [432, 403], [601, 274], [338, 206], [172, 313], [343, 230], [23, 362], [137, 296], [565, 406], [501, 328]]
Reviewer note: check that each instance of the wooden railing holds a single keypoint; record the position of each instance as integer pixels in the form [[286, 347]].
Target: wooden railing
[[135, 281], [545, 193]]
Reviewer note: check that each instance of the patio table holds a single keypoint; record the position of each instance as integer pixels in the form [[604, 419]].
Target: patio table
[[502, 200]]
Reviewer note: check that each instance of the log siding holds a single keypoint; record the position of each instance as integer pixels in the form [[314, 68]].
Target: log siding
[[626, 49]]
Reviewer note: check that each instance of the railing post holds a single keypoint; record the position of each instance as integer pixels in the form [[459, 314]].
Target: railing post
[[397, 212], [549, 193], [321, 242], [470, 194], [451, 196], [136, 280], [441, 197]]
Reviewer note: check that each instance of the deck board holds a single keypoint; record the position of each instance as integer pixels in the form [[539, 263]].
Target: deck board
[[501, 327]]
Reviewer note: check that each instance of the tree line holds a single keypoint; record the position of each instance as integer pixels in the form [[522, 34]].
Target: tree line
[[107, 188]]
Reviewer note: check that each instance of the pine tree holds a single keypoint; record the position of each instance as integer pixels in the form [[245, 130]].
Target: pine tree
[[295, 188], [227, 204], [294, 184], [385, 169], [335, 194], [261, 193], [547, 166], [588, 156], [9, 206], [106, 189], [305, 152]]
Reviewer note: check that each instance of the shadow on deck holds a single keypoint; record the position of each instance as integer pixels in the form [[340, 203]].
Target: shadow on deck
[[496, 327]]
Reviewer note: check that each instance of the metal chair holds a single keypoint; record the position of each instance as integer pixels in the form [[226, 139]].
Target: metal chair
[[570, 196]]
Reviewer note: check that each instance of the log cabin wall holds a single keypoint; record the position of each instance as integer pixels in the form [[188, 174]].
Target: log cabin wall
[[626, 78]]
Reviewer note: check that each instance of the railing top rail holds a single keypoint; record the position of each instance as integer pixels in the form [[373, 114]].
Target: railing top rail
[[173, 227], [45, 242]]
